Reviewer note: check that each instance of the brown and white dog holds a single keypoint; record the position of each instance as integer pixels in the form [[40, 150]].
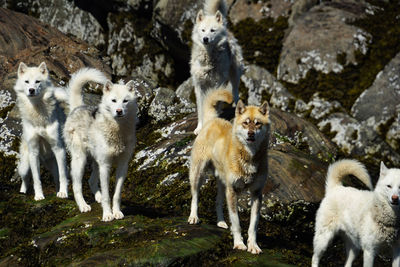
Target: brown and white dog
[[238, 152]]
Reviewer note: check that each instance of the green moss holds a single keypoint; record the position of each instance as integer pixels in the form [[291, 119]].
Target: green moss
[[347, 85], [261, 41]]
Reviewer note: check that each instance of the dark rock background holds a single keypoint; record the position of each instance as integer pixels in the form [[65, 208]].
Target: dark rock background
[[329, 69]]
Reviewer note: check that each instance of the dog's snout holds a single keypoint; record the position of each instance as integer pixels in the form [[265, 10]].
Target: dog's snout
[[119, 111], [251, 134], [31, 91], [206, 40], [395, 197]]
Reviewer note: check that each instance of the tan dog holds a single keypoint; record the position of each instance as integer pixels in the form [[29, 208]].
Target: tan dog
[[239, 155]]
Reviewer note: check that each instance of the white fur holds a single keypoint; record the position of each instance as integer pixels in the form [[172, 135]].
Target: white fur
[[42, 120], [367, 219], [108, 135], [216, 57]]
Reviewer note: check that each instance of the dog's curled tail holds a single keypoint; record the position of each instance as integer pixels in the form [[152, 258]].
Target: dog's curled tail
[[78, 80], [211, 100], [212, 6], [340, 169]]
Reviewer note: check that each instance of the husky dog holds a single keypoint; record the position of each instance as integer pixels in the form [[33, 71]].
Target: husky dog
[[239, 155], [108, 134], [42, 119], [366, 219], [216, 57]]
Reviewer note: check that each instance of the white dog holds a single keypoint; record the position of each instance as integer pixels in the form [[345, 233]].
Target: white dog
[[108, 134], [42, 119], [216, 57], [367, 219]]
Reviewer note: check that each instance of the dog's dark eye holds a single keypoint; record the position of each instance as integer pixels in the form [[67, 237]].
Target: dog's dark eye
[[114, 100], [26, 81], [258, 123], [245, 123], [203, 30], [389, 186], [37, 81], [212, 30], [125, 101]]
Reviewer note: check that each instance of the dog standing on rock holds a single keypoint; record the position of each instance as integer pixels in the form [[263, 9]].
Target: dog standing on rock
[[107, 133], [366, 219], [216, 57], [238, 152], [42, 119]]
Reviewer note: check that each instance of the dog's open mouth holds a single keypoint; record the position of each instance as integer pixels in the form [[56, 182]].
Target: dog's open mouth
[[251, 139]]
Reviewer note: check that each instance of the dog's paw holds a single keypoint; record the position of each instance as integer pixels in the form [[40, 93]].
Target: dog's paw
[[193, 220], [222, 224], [62, 194], [97, 197], [23, 189], [118, 215], [197, 130], [39, 197], [85, 208], [240, 246], [253, 248], [107, 217]]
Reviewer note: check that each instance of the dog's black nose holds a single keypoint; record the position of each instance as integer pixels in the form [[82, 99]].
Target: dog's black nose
[[119, 112], [31, 91], [205, 40]]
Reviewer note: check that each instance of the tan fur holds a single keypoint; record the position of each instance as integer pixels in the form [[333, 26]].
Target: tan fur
[[240, 165]]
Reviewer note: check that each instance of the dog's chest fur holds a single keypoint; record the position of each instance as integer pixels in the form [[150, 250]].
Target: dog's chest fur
[[211, 68], [113, 136], [39, 113], [387, 223]]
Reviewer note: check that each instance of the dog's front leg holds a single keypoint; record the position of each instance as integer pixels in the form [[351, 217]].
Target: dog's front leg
[[200, 95], [59, 152], [256, 200], [34, 162], [396, 255], [104, 172], [231, 200], [368, 258], [120, 175]]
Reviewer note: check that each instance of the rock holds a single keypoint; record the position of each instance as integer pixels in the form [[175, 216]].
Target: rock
[[260, 82], [257, 10], [319, 37], [358, 139], [378, 106], [299, 8], [166, 106]]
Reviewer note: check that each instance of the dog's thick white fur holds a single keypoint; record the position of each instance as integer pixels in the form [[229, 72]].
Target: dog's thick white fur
[[42, 119], [108, 134], [239, 155], [366, 219], [216, 57]]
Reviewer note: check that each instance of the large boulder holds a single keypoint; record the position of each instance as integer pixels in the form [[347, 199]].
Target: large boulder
[[321, 36], [378, 106]]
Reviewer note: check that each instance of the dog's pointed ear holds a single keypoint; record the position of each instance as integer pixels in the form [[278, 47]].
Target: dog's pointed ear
[[383, 169], [22, 68], [219, 17], [43, 68], [200, 16], [240, 107], [264, 108], [131, 86], [107, 86]]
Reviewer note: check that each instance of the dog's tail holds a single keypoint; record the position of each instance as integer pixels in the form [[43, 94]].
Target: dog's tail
[[212, 6], [338, 170], [211, 100], [78, 80]]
